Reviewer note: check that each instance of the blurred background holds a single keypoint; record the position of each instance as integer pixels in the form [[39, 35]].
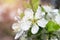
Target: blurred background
[[8, 10], [7, 13]]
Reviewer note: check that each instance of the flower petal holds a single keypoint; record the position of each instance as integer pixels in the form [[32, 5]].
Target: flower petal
[[42, 22], [16, 27], [17, 18], [34, 29], [19, 34], [50, 16], [47, 8], [28, 13], [39, 14], [57, 19], [55, 11], [25, 25]]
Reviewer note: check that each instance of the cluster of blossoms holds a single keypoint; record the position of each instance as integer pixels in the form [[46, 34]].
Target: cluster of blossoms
[[28, 19]]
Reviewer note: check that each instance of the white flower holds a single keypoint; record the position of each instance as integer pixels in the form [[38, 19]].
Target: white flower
[[51, 13], [29, 19], [16, 27]]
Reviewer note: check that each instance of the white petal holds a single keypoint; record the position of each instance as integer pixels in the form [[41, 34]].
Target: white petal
[[55, 10], [19, 34], [35, 29], [39, 14], [57, 19], [28, 13], [42, 22], [47, 8], [50, 16], [16, 27], [25, 25], [17, 18]]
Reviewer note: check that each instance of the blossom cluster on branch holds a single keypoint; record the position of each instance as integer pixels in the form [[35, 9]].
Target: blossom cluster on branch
[[35, 19]]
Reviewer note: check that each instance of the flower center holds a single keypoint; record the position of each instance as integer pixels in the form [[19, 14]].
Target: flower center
[[33, 20]]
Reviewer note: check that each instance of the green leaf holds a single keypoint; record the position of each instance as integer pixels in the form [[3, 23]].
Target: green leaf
[[22, 15], [26, 5], [29, 33], [34, 4], [52, 26], [42, 9]]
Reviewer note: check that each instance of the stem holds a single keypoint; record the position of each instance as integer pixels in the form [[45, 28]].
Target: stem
[[49, 37], [56, 36], [32, 8]]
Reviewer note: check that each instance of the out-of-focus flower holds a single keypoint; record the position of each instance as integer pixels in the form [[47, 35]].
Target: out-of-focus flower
[[16, 27]]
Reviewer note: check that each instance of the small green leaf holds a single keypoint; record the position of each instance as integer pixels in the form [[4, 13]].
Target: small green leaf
[[52, 26], [29, 33], [22, 15], [26, 5], [34, 4], [42, 9]]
